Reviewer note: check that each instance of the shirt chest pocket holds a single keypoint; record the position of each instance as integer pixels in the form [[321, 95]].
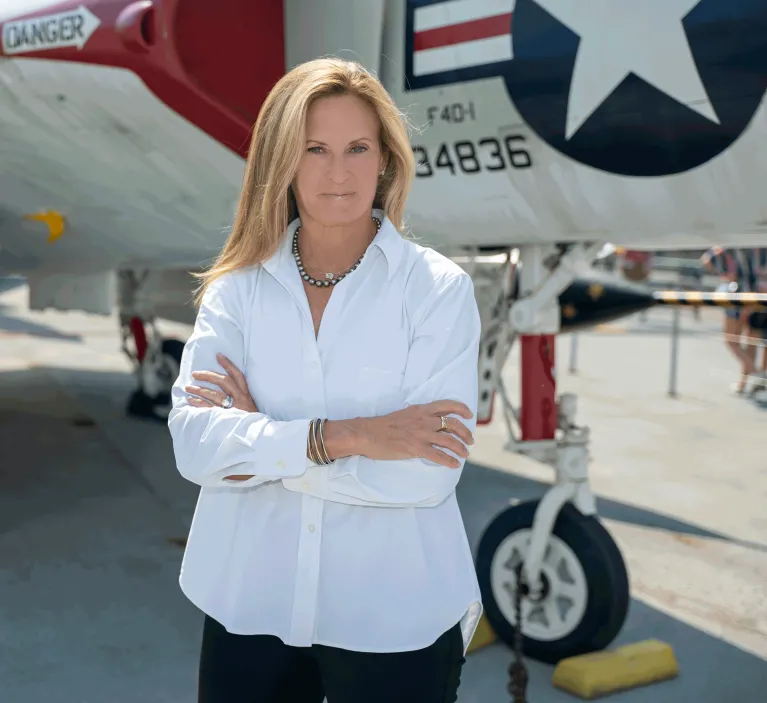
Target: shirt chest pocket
[[380, 390]]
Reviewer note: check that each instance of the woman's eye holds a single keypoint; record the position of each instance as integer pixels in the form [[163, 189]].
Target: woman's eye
[[358, 149]]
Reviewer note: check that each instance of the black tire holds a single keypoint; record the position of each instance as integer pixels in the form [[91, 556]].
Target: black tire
[[173, 348], [603, 566], [140, 405]]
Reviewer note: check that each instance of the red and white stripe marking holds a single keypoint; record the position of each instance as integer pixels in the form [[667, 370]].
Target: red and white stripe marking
[[460, 34]]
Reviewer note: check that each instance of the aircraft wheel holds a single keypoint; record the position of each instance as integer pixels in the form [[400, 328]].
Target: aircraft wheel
[[168, 369], [165, 371], [585, 594]]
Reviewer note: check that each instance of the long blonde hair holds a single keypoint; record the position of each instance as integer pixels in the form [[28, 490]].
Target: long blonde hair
[[265, 204]]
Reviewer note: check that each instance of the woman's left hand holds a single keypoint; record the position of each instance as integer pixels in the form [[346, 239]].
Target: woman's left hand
[[233, 384]]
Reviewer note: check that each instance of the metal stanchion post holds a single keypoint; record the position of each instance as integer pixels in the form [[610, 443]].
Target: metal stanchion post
[[672, 378], [573, 353]]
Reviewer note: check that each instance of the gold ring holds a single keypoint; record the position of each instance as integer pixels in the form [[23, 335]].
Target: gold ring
[[443, 427]]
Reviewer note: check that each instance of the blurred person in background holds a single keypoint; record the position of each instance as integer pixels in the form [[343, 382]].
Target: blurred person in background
[[636, 266], [742, 271], [758, 323], [325, 404]]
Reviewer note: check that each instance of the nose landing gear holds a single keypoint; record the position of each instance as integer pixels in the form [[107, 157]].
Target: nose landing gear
[[156, 370], [156, 361], [575, 587]]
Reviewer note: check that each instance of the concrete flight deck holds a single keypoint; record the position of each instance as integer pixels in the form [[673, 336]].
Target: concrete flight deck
[[92, 508]]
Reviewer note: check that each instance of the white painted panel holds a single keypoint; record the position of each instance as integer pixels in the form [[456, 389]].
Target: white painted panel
[[464, 55], [457, 11]]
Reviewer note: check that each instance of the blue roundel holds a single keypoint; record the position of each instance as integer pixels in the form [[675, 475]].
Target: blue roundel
[[638, 87]]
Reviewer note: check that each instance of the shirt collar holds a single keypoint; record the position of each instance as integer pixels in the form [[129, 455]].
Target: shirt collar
[[388, 240]]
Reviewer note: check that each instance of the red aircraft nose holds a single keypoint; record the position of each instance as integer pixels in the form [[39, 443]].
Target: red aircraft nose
[[213, 63]]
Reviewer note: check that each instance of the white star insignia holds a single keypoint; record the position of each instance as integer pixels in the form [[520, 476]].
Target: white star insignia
[[620, 37]]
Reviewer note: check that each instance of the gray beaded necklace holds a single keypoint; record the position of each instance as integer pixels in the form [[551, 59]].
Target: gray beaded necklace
[[330, 280]]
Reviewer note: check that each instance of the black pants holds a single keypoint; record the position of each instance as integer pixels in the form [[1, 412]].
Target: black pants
[[262, 669]]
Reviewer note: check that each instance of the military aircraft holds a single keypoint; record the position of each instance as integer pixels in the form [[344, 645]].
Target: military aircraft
[[542, 130]]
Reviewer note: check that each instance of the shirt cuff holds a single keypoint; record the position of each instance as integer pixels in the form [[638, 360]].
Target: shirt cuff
[[280, 449]]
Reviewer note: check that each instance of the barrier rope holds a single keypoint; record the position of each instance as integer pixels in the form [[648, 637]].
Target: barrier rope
[[717, 299]]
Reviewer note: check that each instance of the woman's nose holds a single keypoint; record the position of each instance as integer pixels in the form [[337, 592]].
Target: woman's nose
[[339, 171]]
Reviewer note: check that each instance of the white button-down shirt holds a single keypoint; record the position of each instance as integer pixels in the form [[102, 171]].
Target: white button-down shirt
[[365, 555]]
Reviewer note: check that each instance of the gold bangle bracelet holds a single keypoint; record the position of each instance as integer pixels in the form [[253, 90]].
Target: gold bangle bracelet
[[310, 443], [317, 447], [316, 450], [316, 443], [328, 460]]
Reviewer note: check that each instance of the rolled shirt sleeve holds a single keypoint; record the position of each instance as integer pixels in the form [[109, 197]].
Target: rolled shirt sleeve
[[212, 443], [441, 365]]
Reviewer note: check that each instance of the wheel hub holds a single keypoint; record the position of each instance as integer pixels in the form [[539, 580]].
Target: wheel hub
[[560, 604], [543, 592]]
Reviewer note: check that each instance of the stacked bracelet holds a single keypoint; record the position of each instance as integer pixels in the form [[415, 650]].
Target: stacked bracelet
[[315, 444]]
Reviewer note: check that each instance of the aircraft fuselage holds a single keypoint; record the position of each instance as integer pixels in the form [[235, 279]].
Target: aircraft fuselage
[[642, 124]]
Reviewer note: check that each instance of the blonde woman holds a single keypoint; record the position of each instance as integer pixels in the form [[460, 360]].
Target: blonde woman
[[325, 405]]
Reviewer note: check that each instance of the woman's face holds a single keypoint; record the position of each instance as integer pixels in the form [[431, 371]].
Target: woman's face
[[339, 170]]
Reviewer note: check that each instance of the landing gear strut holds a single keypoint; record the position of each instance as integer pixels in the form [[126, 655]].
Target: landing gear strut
[[576, 588], [156, 361]]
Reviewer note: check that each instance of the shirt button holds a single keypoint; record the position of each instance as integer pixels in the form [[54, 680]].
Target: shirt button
[[311, 528], [304, 484], [280, 464]]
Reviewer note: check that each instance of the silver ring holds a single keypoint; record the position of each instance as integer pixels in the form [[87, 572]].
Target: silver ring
[[227, 402]]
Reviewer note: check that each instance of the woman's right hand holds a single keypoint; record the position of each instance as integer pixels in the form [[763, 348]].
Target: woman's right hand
[[413, 432]]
